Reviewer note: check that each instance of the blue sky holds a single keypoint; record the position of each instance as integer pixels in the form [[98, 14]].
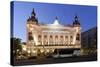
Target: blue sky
[[47, 13]]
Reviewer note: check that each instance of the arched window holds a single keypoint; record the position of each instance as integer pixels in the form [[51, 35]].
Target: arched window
[[66, 39], [30, 37], [30, 33], [71, 39], [56, 36], [39, 39], [78, 37], [61, 36], [45, 36], [50, 36], [51, 40], [39, 36], [56, 40], [45, 40], [61, 40]]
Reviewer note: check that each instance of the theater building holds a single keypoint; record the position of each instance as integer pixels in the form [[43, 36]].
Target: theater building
[[47, 38]]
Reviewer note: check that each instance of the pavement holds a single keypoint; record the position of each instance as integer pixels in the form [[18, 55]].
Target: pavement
[[55, 60]]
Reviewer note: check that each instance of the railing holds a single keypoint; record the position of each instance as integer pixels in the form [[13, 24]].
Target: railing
[[56, 46]]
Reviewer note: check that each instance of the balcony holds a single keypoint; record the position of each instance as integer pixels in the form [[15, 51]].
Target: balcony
[[63, 46]]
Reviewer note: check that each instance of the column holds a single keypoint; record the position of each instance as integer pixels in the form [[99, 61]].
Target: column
[[58, 39], [80, 38], [74, 39], [48, 38], [53, 36], [54, 39], [64, 39], [68, 39], [42, 39]]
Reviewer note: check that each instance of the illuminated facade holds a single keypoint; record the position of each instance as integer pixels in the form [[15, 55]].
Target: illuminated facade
[[44, 38]]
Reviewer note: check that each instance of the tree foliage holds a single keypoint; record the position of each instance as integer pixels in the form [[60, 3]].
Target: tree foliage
[[16, 46]]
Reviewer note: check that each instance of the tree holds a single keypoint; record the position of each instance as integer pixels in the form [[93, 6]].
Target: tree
[[16, 46]]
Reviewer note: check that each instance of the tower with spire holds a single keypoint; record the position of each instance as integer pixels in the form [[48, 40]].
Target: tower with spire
[[32, 18], [76, 22]]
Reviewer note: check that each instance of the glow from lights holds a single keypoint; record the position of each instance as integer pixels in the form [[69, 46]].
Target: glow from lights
[[29, 51], [34, 51], [48, 50], [35, 39], [56, 22], [42, 50], [24, 48]]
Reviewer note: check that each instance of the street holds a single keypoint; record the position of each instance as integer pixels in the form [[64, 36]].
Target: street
[[55, 60]]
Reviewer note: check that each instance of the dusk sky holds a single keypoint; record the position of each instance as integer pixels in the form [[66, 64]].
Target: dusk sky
[[47, 13]]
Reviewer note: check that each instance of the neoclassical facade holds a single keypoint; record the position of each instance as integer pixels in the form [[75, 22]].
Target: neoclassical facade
[[48, 37]]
